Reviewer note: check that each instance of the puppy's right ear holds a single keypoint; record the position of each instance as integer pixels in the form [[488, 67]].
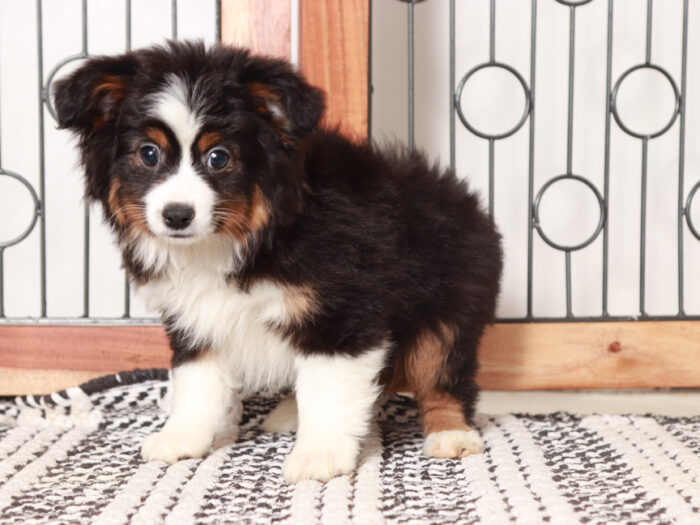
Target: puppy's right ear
[[90, 98]]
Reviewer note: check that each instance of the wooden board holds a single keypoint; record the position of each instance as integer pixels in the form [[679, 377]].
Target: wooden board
[[334, 55], [42, 359], [527, 356], [591, 355], [261, 25]]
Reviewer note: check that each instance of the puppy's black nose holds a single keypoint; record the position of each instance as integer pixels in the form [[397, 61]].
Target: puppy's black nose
[[178, 216]]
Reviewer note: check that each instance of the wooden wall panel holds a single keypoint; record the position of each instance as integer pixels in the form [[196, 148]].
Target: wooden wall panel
[[334, 55], [522, 356], [261, 25]]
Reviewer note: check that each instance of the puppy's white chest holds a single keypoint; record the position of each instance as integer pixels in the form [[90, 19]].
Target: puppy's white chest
[[238, 326]]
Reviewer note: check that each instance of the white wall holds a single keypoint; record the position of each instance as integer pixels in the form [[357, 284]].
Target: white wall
[[492, 102]]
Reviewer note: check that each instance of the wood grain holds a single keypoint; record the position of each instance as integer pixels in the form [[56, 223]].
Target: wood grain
[[590, 355], [86, 348], [261, 25], [334, 55], [522, 356]]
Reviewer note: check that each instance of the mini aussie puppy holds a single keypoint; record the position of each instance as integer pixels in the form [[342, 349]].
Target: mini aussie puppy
[[283, 255]]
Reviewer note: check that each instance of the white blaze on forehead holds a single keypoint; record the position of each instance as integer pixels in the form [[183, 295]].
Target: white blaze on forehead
[[173, 108], [185, 185]]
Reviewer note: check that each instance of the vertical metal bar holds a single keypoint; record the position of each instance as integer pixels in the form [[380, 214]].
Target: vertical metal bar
[[606, 166], [491, 177], [84, 28], [127, 288], [643, 230], [452, 86], [492, 31], [127, 296], [2, 283], [128, 25], [569, 313], [531, 160], [492, 58], [86, 207], [42, 192], [647, 55], [86, 261], [570, 126], [411, 140], [218, 20], [173, 12], [681, 159]]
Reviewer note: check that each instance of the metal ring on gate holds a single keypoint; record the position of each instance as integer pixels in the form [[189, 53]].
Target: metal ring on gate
[[463, 118], [676, 109], [28, 230], [686, 211], [536, 212], [572, 3]]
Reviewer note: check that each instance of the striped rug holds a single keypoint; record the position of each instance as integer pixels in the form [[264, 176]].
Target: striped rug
[[73, 457]]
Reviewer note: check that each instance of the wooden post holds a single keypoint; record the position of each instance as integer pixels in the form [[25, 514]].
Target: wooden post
[[334, 55], [264, 26]]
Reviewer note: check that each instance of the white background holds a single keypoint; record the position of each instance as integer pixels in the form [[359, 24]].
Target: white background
[[492, 101]]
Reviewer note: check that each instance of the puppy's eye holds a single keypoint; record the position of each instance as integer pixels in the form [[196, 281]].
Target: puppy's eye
[[150, 155], [218, 159]]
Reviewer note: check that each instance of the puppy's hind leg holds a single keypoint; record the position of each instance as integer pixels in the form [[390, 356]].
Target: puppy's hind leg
[[447, 434], [335, 396], [440, 372]]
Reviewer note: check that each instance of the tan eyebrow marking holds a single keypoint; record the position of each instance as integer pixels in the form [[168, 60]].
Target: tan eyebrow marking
[[158, 137], [207, 140]]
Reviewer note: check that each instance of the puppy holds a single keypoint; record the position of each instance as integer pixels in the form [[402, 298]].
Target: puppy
[[283, 255]]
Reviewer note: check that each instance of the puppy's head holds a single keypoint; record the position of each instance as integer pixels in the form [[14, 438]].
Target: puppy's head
[[183, 142]]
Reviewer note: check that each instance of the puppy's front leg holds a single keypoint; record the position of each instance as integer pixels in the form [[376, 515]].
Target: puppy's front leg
[[335, 397], [202, 400]]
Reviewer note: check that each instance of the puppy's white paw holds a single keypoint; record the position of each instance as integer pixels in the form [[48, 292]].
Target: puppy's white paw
[[283, 418], [172, 444], [320, 465], [453, 444]]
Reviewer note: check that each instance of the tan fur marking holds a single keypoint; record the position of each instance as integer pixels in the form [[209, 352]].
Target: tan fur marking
[[135, 218], [112, 89], [269, 97], [258, 211], [243, 219], [441, 412], [424, 363], [207, 140], [421, 371], [300, 303], [158, 137], [114, 203]]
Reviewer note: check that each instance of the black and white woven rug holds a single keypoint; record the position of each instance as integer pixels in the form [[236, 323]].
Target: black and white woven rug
[[73, 457]]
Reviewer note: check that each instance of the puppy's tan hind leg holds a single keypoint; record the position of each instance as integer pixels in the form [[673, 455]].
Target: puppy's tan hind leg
[[447, 434]]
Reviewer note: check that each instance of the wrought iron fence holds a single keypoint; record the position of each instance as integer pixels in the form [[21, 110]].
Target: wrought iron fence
[[527, 80]]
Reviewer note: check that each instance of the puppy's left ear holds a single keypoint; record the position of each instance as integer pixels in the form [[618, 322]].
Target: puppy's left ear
[[90, 98], [284, 98]]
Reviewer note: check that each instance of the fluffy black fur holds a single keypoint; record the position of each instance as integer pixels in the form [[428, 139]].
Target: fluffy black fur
[[389, 243]]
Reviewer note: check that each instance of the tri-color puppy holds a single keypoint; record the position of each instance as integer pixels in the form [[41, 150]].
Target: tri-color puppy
[[280, 254]]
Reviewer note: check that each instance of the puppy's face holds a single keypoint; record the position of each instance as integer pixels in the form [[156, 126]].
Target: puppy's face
[[184, 142]]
